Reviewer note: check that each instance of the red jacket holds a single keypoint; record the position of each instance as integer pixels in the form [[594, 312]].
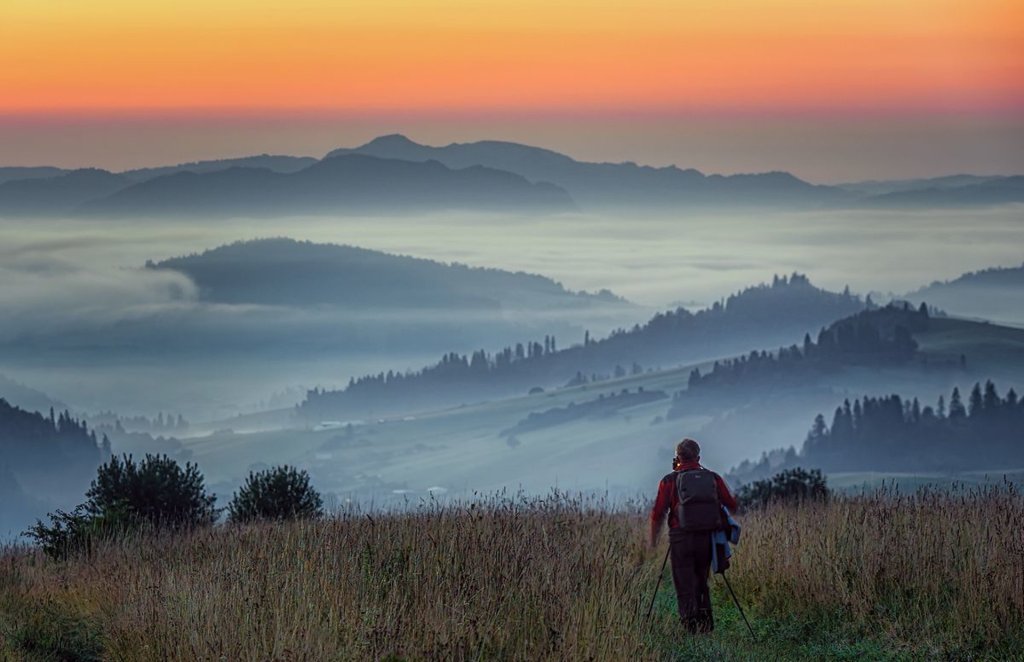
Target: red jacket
[[668, 499]]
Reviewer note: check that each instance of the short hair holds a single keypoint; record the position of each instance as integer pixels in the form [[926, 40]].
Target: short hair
[[688, 449]]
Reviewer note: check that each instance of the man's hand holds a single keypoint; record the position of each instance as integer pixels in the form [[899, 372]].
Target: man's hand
[[652, 541]]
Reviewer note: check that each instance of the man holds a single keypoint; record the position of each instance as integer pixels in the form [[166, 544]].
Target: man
[[692, 519]]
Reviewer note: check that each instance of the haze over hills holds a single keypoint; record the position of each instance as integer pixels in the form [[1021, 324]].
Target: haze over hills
[[275, 162], [611, 433], [58, 195], [996, 294], [286, 272], [995, 191], [45, 462], [10, 173], [596, 185], [26, 397], [347, 184], [230, 326], [788, 308], [470, 423], [882, 186], [393, 174]]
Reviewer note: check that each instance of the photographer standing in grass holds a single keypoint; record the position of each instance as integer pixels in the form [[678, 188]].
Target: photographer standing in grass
[[692, 497]]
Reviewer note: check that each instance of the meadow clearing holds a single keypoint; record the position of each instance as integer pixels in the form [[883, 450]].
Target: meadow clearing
[[934, 574]]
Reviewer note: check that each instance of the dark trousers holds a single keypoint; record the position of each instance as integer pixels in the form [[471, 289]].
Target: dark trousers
[[691, 562]]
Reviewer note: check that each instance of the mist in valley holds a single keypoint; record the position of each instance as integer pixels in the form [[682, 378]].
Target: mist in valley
[[91, 327]]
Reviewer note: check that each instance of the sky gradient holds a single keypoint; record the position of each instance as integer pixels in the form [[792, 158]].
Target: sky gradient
[[847, 71]]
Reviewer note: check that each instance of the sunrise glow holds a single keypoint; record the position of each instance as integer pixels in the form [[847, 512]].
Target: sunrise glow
[[458, 55]]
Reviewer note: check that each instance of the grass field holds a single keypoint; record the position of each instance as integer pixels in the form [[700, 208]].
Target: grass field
[[935, 575]]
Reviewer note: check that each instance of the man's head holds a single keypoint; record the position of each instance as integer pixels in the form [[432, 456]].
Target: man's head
[[688, 450]]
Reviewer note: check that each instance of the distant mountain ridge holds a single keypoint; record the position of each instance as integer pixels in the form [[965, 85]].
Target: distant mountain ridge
[[274, 162], [393, 174], [996, 191], [13, 173], [349, 184], [882, 186], [595, 185], [61, 194]]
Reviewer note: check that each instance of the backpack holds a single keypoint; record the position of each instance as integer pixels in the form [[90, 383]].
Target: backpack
[[699, 508]]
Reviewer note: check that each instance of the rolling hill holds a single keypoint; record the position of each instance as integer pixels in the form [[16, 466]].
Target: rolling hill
[[347, 184], [287, 272], [788, 308], [461, 449], [61, 194], [996, 294]]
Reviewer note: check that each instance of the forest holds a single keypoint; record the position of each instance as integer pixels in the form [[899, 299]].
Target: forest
[[43, 459], [877, 337], [894, 434], [783, 308]]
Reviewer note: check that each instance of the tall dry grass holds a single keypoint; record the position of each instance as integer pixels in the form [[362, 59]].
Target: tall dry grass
[[938, 572], [552, 578]]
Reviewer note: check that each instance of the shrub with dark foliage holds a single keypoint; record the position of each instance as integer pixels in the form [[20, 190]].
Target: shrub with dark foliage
[[791, 485], [73, 533], [276, 494], [157, 491], [153, 494]]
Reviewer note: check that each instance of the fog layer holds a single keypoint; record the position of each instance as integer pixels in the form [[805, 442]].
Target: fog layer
[[85, 322]]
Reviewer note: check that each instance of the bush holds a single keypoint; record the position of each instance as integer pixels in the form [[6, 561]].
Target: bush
[[795, 484], [71, 534], [275, 494], [125, 496], [156, 491]]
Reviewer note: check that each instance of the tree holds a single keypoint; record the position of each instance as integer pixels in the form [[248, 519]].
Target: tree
[[956, 407], [819, 431], [276, 494], [990, 400], [157, 491], [126, 496]]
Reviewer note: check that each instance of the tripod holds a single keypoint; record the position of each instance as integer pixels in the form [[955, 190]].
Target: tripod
[[657, 585]]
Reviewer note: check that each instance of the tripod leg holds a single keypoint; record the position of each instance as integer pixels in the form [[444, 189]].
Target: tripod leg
[[734, 599], [658, 584]]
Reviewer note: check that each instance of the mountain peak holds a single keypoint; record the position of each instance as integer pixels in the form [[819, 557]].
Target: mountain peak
[[391, 140]]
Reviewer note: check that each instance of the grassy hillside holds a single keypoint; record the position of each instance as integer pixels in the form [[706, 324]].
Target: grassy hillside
[[992, 346], [552, 579]]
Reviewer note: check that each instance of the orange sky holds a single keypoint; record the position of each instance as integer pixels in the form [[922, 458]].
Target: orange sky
[[527, 55]]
